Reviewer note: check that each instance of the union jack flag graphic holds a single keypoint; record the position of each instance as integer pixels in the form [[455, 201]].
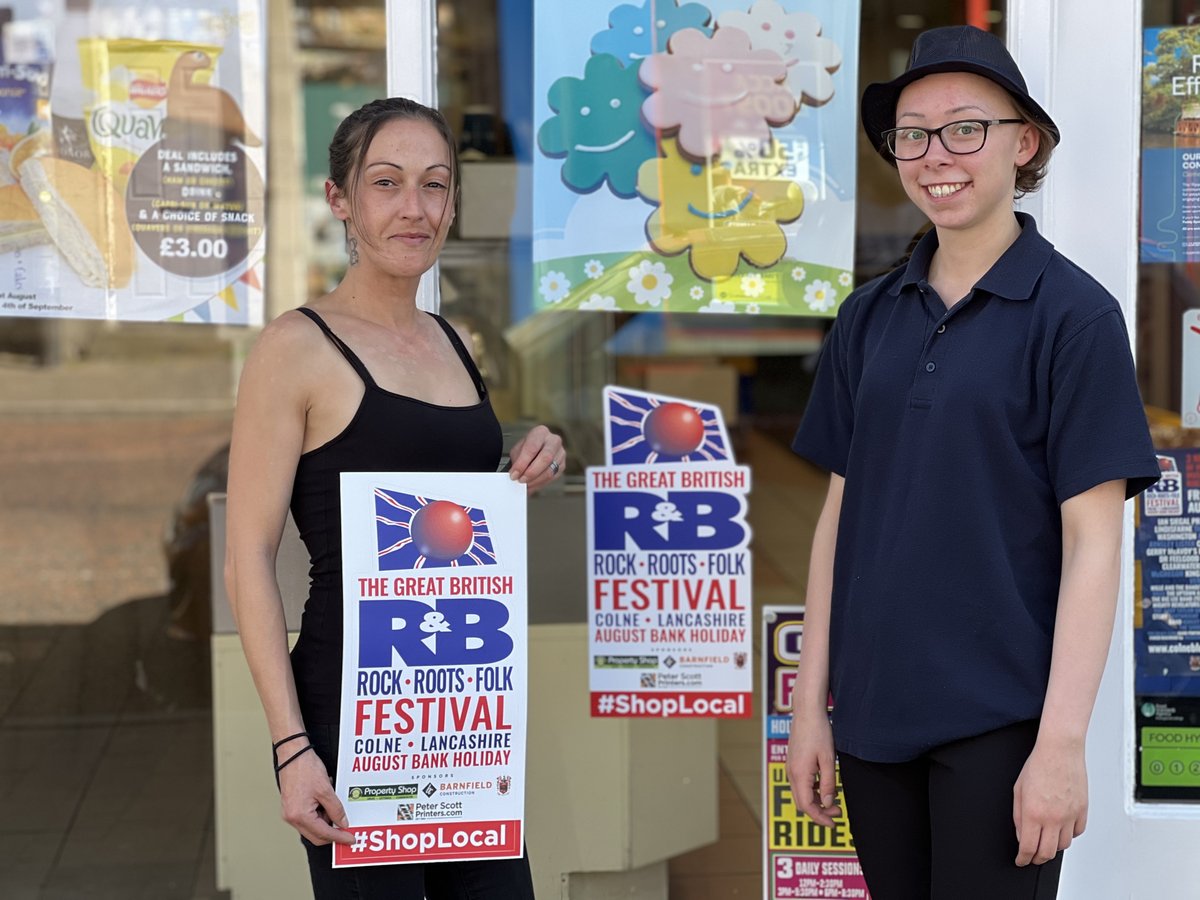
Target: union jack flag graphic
[[421, 533], [644, 429]]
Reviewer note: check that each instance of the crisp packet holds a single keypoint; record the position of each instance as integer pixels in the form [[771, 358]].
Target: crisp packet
[[131, 81]]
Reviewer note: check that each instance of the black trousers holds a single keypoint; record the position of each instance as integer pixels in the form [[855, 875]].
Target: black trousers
[[493, 879], [940, 827]]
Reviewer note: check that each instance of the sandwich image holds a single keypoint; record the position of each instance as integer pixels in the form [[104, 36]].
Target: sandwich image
[[36, 144], [84, 216], [20, 225]]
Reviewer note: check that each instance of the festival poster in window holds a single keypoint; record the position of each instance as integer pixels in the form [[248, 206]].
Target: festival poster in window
[[434, 668], [801, 859], [669, 566], [1167, 631], [695, 156], [132, 161]]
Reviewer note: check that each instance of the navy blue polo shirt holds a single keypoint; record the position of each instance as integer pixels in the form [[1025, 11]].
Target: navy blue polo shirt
[[959, 433]]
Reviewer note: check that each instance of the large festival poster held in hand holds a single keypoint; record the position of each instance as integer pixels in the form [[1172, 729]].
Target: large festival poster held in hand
[[434, 672], [132, 160]]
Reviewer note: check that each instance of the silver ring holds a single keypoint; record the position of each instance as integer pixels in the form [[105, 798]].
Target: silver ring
[[554, 467]]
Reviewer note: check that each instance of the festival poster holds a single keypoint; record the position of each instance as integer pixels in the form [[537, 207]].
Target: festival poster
[[669, 570], [132, 161], [801, 859], [1170, 226], [1167, 631], [695, 156], [434, 669]]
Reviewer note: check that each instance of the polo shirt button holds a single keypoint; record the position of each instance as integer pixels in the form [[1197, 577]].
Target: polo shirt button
[[941, 328], [929, 367]]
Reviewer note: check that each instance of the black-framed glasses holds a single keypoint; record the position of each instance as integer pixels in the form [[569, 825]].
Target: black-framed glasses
[[962, 137]]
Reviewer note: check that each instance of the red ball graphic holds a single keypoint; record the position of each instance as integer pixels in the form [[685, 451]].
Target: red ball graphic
[[442, 530], [674, 429]]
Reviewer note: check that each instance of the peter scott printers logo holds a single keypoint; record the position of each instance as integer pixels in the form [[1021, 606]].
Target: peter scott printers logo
[[420, 533], [644, 429]]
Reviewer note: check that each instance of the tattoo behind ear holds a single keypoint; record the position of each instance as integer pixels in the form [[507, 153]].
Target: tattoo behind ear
[[352, 247]]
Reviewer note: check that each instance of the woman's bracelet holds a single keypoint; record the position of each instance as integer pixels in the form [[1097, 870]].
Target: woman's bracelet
[[280, 766], [291, 737]]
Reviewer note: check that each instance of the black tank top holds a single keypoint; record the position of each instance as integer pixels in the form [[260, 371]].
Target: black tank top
[[389, 433]]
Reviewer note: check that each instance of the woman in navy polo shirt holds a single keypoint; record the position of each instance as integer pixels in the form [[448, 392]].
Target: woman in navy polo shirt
[[979, 415]]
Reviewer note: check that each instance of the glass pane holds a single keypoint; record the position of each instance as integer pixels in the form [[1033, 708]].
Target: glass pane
[[1166, 613]]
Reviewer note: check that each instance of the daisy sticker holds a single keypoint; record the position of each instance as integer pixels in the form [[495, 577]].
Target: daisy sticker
[[845, 279], [696, 293], [798, 273], [598, 302], [593, 268], [650, 283], [753, 285], [553, 287], [819, 295]]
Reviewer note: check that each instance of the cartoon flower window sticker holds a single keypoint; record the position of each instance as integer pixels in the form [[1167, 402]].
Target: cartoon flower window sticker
[[554, 286], [597, 128], [716, 216], [796, 36], [598, 301], [710, 88], [819, 295], [635, 32], [753, 285], [650, 283], [593, 268]]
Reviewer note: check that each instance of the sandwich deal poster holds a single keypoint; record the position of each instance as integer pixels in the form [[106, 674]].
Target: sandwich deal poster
[[668, 563], [695, 156], [1167, 631], [133, 161], [801, 859], [434, 672]]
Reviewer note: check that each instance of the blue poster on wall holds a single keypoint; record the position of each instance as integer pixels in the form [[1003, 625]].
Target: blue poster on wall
[[1170, 228], [695, 156]]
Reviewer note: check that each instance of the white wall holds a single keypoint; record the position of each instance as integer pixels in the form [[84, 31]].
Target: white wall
[[1083, 60]]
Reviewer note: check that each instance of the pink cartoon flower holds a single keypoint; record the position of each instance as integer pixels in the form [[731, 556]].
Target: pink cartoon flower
[[796, 37], [711, 88]]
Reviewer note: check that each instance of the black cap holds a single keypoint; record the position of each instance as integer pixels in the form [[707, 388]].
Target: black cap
[[956, 48]]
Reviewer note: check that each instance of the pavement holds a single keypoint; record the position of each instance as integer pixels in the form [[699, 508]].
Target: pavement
[[105, 721]]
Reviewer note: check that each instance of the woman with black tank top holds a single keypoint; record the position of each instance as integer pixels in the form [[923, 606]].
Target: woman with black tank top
[[359, 380]]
